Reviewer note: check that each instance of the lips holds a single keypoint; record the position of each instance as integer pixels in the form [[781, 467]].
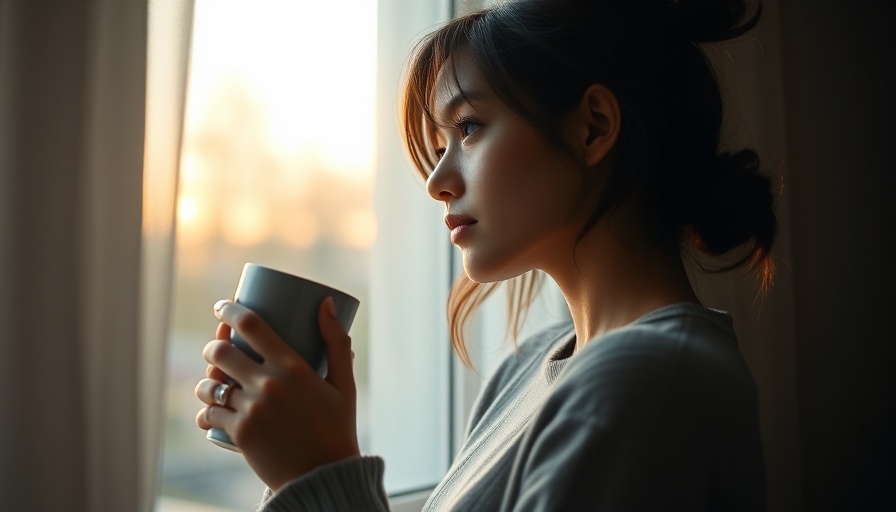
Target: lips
[[454, 221], [460, 226]]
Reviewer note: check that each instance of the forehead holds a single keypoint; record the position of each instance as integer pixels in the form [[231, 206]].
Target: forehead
[[458, 81]]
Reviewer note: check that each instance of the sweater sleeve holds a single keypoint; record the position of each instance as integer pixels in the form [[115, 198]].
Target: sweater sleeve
[[354, 484], [637, 424]]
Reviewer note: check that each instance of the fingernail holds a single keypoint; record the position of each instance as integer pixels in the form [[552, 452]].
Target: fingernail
[[330, 306], [218, 306]]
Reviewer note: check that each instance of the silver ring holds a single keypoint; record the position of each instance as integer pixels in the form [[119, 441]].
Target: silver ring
[[221, 393]]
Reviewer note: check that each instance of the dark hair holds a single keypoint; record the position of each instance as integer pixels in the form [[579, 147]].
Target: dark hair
[[541, 55]]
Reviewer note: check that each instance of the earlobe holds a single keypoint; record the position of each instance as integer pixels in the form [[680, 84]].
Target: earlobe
[[602, 118]]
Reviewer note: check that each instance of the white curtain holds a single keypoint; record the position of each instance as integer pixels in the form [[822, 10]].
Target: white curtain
[[83, 287]]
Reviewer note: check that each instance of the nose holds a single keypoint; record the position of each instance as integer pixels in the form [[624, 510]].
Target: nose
[[445, 182]]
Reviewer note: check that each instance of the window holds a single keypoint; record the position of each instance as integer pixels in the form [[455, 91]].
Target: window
[[286, 102]]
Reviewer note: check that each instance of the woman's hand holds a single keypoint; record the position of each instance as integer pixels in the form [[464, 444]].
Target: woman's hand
[[284, 418]]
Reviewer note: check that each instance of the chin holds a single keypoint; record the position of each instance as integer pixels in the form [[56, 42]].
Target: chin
[[482, 273]]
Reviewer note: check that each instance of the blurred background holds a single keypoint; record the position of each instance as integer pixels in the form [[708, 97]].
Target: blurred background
[[276, 168]]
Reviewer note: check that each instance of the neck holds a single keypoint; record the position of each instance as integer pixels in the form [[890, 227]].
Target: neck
[[608, 283]]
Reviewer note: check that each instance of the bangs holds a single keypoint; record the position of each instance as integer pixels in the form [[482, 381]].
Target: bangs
[[419, 125]]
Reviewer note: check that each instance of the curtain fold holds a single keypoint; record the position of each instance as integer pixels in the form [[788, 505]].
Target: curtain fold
[[170, 25], [80, 362], [107, 246]]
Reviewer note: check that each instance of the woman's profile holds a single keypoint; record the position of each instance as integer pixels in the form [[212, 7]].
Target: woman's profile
[[579, 139]]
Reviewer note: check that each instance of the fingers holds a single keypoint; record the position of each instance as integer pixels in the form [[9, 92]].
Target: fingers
[[339, 348], [215, 416], [223, 332], [215, 373], [229, 360], [257, 333], [205, 391], [202, 420]]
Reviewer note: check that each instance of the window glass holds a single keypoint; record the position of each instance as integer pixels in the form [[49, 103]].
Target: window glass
[[292, 159], [277, 169]]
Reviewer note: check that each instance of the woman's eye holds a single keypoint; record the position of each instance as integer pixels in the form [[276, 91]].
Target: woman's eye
[[468, 126]]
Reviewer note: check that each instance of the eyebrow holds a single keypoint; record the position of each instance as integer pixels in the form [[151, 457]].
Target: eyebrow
[[459, 98]]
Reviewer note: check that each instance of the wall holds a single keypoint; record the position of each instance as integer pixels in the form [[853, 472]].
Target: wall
[[839, 94]]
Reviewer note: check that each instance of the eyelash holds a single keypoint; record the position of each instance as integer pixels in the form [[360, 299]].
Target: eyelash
[[466, 121], [461, 123]]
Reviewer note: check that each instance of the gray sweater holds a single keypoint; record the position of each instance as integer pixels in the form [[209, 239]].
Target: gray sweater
[[658, 415]]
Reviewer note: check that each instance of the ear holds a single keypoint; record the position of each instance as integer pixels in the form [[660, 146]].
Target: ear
[[598, 121]]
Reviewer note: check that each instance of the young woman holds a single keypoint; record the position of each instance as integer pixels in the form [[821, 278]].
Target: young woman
[[579, 138]]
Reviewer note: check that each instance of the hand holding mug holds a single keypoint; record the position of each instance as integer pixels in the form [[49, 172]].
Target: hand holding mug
[[272, 402]]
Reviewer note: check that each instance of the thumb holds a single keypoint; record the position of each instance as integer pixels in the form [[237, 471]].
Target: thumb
[[339, 349]]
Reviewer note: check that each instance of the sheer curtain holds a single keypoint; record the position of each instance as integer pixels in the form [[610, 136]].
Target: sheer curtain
[[83, 317]]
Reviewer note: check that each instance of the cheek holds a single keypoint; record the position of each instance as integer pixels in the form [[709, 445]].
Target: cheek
[[514, 163], [528, 178]]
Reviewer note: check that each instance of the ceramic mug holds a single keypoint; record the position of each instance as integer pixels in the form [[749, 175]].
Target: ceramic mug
[[289, 304]]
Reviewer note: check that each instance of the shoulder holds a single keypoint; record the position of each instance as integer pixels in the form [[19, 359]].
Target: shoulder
[[665, 341], [681, 356], [658, 415]]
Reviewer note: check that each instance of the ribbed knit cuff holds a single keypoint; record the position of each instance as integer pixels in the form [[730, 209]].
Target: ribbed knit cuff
[[354, 484]]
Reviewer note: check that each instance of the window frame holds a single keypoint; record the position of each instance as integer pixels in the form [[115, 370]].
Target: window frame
[[407, 319]]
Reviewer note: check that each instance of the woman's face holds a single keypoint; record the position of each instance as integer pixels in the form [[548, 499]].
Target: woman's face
[[508, 194]]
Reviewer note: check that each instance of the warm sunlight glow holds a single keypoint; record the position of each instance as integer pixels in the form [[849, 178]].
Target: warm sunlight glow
[[187, 210], [274, 110], [299, 230], [319, 102], [357, 228], [191, 171], [245, 222], [193, 224]]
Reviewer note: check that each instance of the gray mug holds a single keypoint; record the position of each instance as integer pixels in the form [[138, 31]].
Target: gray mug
[[289, 304]]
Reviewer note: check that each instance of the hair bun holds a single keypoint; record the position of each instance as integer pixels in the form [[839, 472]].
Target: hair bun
[[738, 205], [707, 21]]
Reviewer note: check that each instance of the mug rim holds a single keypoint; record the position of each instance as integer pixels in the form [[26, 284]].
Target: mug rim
[[327, 287]]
